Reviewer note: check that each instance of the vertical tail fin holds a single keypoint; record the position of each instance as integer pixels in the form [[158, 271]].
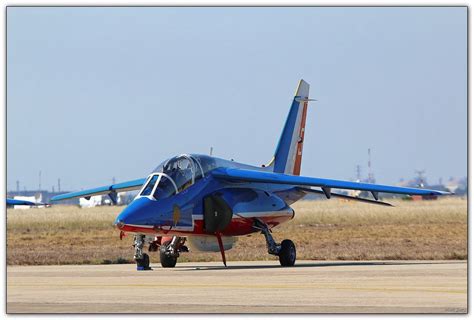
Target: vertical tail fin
[[289, 151]]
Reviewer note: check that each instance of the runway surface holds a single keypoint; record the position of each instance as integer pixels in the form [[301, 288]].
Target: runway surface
[[250, 287]]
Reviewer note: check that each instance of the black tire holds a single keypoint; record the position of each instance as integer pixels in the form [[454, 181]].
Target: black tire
[[166, 261], [287, 253], [144, 262]]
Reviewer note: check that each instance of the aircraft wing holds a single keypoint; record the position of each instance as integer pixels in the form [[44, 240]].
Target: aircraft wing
[[325, 184], [15, 202], [110, 189], [346, 197]]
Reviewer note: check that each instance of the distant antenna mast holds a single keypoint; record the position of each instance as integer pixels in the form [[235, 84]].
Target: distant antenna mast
[[18, 186], [210, 151], [358, 172], [370, 177], [421, 179], [39, 184], [59, 185]]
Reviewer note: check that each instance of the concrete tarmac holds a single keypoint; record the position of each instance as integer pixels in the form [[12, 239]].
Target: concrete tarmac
[[243, 287]]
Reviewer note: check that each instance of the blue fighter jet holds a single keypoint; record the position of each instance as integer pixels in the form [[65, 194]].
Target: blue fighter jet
[[207, 202]]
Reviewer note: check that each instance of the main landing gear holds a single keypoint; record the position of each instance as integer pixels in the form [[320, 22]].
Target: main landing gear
[[286, 250], [169, 251]]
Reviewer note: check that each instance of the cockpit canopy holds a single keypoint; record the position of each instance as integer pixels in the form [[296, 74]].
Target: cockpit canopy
[[173, 176], [179, 173]]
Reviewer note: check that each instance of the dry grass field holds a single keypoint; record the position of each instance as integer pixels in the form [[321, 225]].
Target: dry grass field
[[321, 230]]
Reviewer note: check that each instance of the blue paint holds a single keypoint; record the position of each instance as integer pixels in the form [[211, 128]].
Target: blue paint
[[284, 144]]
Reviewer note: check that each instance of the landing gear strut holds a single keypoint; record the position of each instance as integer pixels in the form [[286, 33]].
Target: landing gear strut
[[286, 251], [142, 259]]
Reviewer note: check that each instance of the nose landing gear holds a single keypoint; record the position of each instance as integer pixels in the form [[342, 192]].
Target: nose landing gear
[[286, 251], [142, 259]]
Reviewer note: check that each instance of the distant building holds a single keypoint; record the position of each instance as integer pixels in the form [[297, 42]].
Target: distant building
[[457, 185], [34, 199], [123, 198], [93, 201]]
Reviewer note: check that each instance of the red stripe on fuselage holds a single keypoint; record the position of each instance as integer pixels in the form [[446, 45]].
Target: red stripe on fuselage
[[237, 227]]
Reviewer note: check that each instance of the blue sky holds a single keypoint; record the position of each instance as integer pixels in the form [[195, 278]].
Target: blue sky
[[96, 93]]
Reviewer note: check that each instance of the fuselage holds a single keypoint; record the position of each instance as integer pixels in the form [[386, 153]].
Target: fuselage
[[180, 197]]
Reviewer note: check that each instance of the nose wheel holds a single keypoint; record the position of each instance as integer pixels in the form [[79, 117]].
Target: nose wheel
[[143, 263]]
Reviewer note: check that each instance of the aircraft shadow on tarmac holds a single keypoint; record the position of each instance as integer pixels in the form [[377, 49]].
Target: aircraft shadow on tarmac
[[306, 265]]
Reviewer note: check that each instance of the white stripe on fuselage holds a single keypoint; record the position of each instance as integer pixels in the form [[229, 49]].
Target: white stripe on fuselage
[[261, 214], [139, 226]]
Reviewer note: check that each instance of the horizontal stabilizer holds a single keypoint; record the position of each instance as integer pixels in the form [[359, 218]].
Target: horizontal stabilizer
[[285, 179], [304, 100], [119, 187]]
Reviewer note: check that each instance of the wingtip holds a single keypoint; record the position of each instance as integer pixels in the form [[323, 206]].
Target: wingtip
[[443, 193]]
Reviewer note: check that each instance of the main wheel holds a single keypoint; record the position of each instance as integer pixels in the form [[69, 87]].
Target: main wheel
[[143, 263], [287, 253], [166, 261]]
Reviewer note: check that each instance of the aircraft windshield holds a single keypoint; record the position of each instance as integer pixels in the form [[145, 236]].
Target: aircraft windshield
[[149, 186], [164, 189], [160, 186]]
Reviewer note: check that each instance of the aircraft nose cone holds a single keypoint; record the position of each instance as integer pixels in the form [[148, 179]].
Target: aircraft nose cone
[[134, 213], [119, 223]]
